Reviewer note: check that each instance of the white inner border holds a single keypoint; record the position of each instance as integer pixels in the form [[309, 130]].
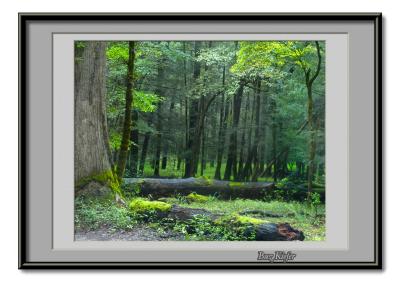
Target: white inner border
[[337, 199]]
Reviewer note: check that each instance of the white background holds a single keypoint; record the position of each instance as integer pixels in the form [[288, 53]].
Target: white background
[[9, 134]]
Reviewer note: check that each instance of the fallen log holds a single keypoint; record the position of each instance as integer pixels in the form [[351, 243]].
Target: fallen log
[[158, 187], [264, 231]]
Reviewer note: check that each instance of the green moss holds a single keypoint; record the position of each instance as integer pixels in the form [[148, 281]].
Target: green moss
[[106, 178], [235, 219], [236, 184], [194, 197], [141, 206]]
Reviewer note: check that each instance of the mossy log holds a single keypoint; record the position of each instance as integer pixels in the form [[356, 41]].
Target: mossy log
[[263, 230], [158, 187]]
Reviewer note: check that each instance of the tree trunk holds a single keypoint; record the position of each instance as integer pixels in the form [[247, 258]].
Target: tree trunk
[[231, 166], [159, 123], [312, 145], [257, 135], [143, 155], [92, 151], [193, 144], [134, 151], [224, 110], [123, 153], [243, 141], [166, 143], [246, 172]]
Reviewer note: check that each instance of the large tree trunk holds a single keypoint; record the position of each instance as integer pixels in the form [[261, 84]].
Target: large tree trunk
[[92, 151], [126, 131]]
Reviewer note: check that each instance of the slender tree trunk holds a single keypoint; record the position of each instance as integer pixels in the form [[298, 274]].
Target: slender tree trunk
[[257, 135], [203, 154], [159, 122], [193, 136], [243, 141], [247, 167], [312, 142], [224, 110], [166, 144], [92, 154], [231, 165], [143, 155], [123, 153], [134, 151]]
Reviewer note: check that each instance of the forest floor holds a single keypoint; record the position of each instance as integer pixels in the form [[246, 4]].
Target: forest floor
[[137, 233], [97, 220]]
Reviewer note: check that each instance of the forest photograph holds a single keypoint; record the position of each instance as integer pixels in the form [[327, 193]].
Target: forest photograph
[[199, 141]]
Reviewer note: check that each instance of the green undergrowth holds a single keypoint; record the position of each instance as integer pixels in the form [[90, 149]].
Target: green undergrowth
[[234, 224], [302, 216], [92, 214]]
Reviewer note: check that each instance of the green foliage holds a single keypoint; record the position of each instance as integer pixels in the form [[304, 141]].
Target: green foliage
[[282, 182], [115, 140], [146, 102], [92, 214], [315, 202], [118, 52]]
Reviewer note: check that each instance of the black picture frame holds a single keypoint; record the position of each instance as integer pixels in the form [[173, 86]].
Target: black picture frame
[[25, 18]]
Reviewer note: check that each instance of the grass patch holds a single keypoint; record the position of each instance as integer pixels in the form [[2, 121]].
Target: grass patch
[[92, 214]]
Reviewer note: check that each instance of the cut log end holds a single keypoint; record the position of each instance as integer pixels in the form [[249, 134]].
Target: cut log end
[[278, 232]]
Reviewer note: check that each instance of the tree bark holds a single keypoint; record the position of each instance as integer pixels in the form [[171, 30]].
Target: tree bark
[[312, 145], [143, 155], [193, 144], [92, 150], [231, 166], [224, 111], [123, 153], [134, 151]]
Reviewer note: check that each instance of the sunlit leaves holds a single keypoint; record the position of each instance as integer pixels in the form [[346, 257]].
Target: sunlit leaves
[[266, 58], [146, 102], [118, 52]]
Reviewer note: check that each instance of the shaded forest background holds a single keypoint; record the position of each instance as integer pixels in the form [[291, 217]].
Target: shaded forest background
[[239, 111]]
